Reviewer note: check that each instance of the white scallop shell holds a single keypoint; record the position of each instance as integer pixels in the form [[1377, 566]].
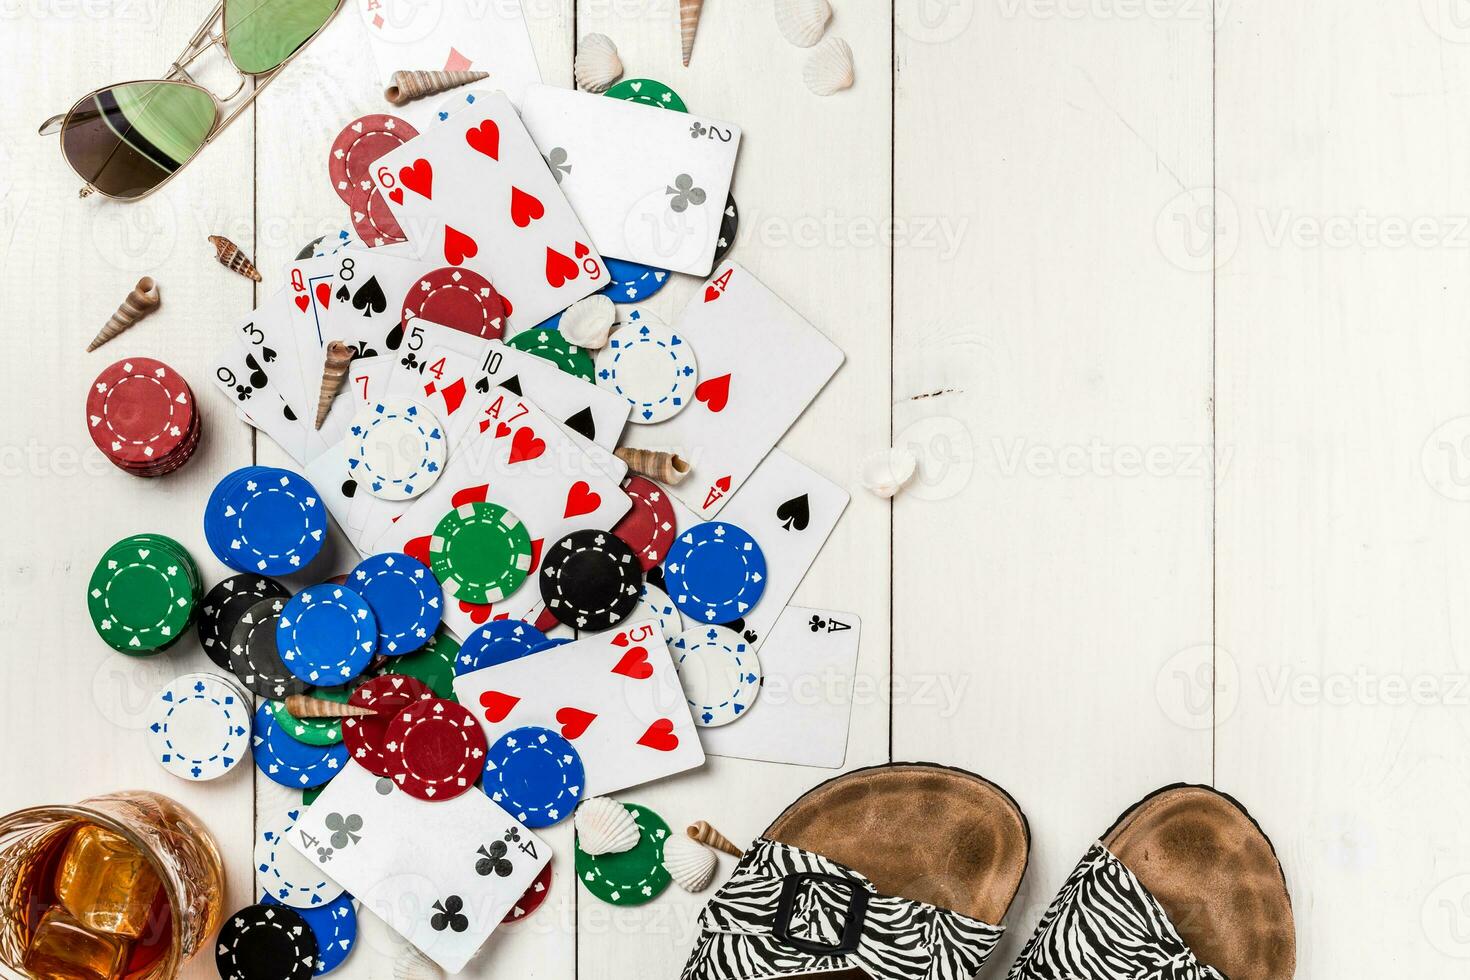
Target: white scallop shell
[[689, 863], [597, 65], [885, 472], [803, 21], [829, 68], [605, 826], [410, 964], [587, 321]]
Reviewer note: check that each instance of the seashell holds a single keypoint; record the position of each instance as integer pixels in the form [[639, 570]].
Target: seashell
[[587, 321], [406, 86], [705, 834], [885, 472], [232, 258], [334, 372], [689, 863], [802, 22], [604, 826], [410, 964], [306, 706], [597, 65], [143, 300], [667, 468], [688, 25], [829, 69]]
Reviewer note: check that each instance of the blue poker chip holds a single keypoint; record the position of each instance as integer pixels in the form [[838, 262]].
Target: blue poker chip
[[715, 572], [265, 520], [327, 634], [289, 762], [335, 928], [631, 282], [404, 597], [496, 643], [556, 642], [535, 775]]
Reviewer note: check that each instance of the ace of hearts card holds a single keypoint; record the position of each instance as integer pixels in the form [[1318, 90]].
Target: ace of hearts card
[[760, 365]]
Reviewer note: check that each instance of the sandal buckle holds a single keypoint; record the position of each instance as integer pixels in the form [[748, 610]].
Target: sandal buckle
[[852, 929]]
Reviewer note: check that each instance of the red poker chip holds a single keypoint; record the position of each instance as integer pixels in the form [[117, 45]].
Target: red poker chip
[[374, 222], [533, 898], [140, 413], [366, 738], [357, 148], [651, 526], [458, 298], [436, 749]]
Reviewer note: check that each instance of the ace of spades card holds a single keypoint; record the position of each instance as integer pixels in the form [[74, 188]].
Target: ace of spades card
[[746, 398], [661, 199], [475, 192], [615, 696], [443, 874]]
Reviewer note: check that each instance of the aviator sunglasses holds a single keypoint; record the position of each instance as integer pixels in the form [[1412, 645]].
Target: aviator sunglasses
[[127, 140]]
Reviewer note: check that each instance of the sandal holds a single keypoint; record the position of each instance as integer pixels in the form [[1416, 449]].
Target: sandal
[[1185, 886], [897, 872]]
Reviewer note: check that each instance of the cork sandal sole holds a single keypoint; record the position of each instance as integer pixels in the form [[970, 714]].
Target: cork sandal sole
[[923, 832], [1207, 862]]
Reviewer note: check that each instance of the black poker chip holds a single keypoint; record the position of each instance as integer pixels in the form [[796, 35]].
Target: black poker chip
[[223, 607], [591, 580], [729, 225], [266, 942], [254, 657]]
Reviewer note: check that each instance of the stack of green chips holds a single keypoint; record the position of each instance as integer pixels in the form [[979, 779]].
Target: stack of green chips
[[143, 594]]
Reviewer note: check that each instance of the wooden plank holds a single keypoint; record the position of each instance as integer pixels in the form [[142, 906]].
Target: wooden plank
[[76, 708], [1052, 372], [811, 173], [1342, 401]]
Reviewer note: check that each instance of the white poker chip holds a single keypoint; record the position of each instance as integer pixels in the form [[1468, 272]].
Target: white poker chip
[[651, 366], [395, 449], [719, 671], [199, 726], [283, 872], [655, 602]]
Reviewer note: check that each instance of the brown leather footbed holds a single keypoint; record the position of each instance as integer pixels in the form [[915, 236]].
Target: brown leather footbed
[[917, 831], [1216, 875]]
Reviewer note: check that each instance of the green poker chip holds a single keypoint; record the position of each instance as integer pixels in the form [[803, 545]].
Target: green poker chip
[[649, 92], [313, 731], [143, 593], [551, 345], [434, 665], [480, 552], [632, 877], [309, 795]]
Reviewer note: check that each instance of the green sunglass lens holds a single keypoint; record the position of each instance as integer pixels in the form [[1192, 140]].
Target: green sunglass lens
[[128, 139], [262, 34]]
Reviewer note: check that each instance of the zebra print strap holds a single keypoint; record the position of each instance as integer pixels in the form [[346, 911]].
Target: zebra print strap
[[784, 910], [1104, 925]]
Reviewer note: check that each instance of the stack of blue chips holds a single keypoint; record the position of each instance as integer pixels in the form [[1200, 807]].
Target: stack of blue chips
[[266, 521]]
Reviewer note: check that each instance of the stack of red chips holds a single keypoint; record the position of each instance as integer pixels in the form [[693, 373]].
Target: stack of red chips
[[141, 414]]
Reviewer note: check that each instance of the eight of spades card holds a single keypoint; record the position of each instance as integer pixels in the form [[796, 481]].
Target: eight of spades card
[[660, 206], [443, 874], [760, 366], [476, 193], [614, 695]]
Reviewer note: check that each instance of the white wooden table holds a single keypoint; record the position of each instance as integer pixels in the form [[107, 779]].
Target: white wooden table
[[1008, 227]]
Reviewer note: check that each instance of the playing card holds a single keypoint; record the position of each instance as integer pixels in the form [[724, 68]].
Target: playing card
[[367, 378], [649, 184], [443, 874], [789, 509], [809, 662], [452, 36], [614, 695], [760, 366], [475, 193], [239, 374]]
